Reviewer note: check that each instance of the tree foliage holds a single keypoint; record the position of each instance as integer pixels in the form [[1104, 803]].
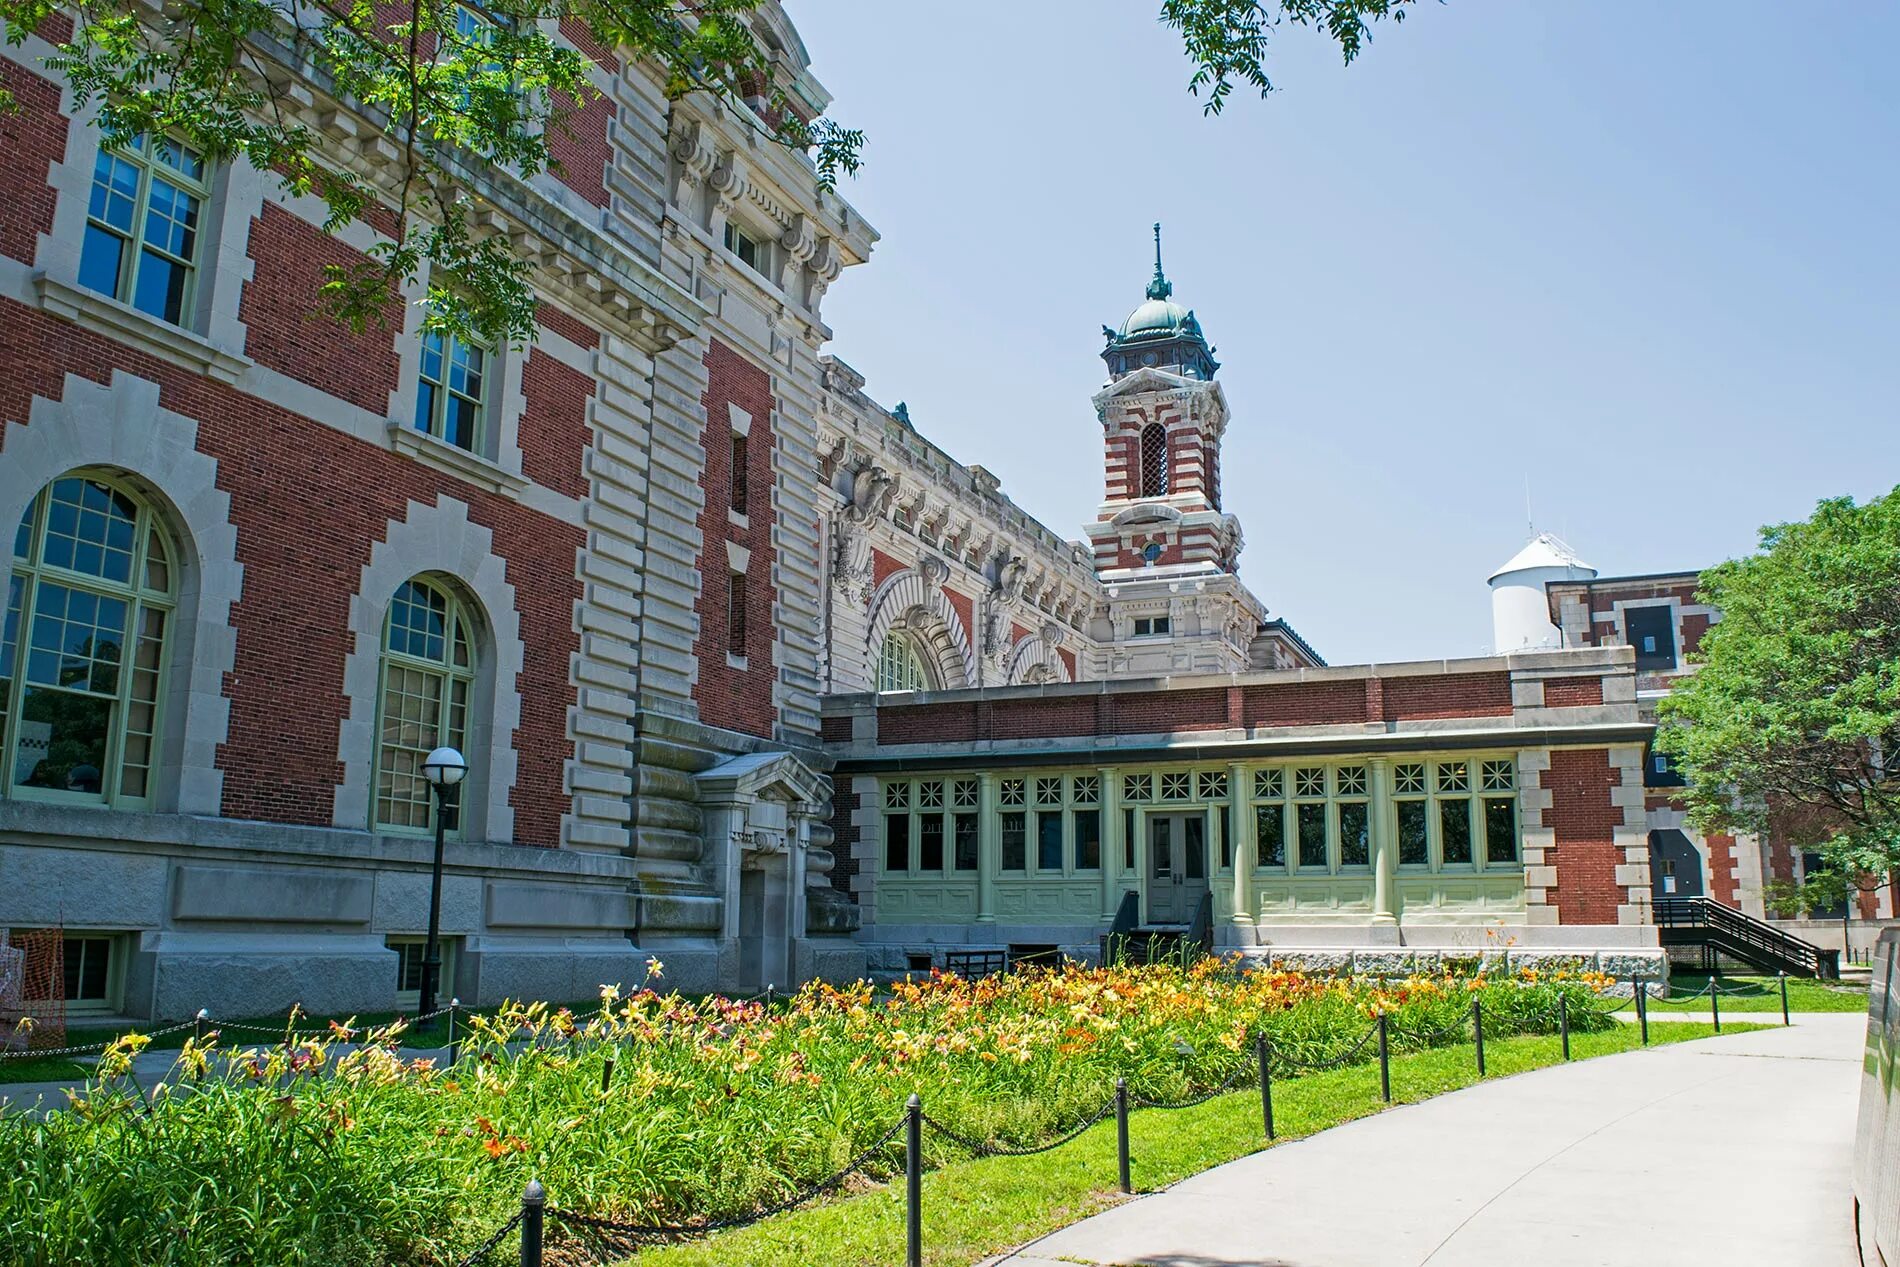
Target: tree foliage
[[1793, 714], [458, 85]]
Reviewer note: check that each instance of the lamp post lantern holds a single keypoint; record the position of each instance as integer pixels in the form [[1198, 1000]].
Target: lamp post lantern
[[444, 769]]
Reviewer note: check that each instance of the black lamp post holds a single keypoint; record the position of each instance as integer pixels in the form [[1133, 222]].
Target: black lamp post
[[444, 769]]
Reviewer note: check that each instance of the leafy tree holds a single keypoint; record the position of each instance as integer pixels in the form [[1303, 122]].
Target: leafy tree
[[1792, 718], [460, 84]]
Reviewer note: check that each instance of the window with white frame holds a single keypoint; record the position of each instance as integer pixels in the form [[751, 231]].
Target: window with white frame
[[452, 391], [89, 604], [143, 225], [409, 957], [1269, 816], [899, 667], [1153, 626], [90, 975], [428, 673], [752, 250]]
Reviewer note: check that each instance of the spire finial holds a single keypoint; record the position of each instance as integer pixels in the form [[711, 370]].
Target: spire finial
[[1160, 287]]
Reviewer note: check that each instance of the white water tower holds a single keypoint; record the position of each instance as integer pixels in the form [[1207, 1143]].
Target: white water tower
[[1520, 612]]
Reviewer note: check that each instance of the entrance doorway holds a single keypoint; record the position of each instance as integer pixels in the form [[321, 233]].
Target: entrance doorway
[[1177, 866]]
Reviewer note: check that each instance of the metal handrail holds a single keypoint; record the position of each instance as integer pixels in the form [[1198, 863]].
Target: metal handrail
[[1705, 913]]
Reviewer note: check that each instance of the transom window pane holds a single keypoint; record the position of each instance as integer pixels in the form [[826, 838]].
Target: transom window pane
[[1087, 789], [1048, 791], [1498, 776], [1309, 781], [1351, 780], [1212, 784], [1408, 779], [966, 793], [1011, 791], [1174, 786], [1137, 787], [427, 672], [930, 794], [897, 796], [1454, 776], [1269, 784], [82, 654]]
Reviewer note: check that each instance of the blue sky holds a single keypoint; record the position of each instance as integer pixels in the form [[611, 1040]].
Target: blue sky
[[1644, 256]]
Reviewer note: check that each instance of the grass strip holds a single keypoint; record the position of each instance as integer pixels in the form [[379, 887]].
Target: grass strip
[[1763, 994], [978, 1208]]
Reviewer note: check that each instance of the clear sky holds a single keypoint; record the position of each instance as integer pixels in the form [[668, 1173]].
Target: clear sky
[[1644, 256]]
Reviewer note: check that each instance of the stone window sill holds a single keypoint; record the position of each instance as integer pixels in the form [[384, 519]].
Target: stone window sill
[[735, 661], [162, 339], [453, 460]]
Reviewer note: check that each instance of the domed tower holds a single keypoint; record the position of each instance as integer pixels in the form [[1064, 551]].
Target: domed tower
[[1162, 418], [1163, 546], [1520, 611]]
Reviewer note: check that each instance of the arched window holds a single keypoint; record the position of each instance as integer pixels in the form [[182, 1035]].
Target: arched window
[[899, 667], [1154, 460], [428, 669], [82, 654]]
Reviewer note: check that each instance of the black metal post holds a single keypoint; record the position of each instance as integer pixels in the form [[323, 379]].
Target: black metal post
[[1266, 1082], [1642, 1008], [198, 1026], [914, 1182], [534, 1201], [431, 948], [1385, 1063], [768, 996], [1563, 1021], [1715, 1002], [607, 1072], [1121, 1134], [1785, 1018], [1477, 1031], [453, 1053]]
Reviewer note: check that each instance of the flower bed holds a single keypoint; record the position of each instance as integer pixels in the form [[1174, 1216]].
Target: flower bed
[[316, 1151]]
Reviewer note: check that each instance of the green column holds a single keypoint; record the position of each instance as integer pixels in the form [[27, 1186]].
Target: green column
[[1112, 844], [1384, 844], [1240, 825], [989, 848]]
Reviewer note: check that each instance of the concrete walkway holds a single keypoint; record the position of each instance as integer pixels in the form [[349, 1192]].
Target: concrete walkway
[[1734, 1151]]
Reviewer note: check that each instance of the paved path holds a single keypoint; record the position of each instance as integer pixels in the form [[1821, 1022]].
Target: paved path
[[1734, 1151]]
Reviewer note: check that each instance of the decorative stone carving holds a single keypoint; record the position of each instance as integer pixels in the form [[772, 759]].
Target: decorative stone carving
[[851, 561]]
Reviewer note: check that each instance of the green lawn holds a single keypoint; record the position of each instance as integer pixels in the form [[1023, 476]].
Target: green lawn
[[1763, 994], [976, 1208]]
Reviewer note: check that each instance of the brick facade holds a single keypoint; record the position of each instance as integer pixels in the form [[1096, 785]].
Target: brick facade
[[289, 332], [34, 138], [1584, 819], [728, 695], [309, 502]]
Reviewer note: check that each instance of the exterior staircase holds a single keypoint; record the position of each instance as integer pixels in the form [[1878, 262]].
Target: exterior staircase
[[1721, 930], [1130, 941]]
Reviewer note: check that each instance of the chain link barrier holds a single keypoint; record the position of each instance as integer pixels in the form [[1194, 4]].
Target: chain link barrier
[[983, 1149], [487, 1247], [1246, 1069], [85, 1049], [634, 1233], [1336, 1062]]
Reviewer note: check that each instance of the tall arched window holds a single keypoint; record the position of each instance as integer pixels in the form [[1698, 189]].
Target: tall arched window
[[899, 667], [82, 654], [428, 670], [1154, 460]]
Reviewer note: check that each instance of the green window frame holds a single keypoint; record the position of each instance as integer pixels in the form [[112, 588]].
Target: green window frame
[[144, 225], [425, 679], [452, 389], [92, 575]]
